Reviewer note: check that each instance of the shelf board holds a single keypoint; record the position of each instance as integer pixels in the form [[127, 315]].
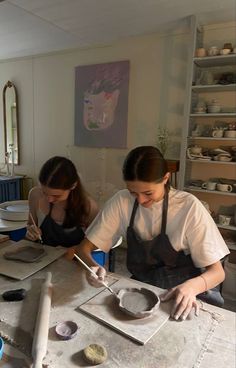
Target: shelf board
[[213, 162], [214, 88], [218, 192], [229, 227], [218, 60], [220, 114], [211, 138], [231, 245]]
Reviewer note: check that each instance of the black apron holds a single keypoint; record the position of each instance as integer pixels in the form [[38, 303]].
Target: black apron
[[54, 234], [157, 263]]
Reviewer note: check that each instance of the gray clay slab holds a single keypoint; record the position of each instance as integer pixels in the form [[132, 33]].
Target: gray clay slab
[[21, 270], [26, 254], [104, 307]]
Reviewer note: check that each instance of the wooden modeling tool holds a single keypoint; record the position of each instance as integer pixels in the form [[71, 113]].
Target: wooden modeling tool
[[39, 235], [40, 340], [94, 273]]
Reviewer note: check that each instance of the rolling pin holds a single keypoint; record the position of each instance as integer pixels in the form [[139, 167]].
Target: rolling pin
[[40, 339]]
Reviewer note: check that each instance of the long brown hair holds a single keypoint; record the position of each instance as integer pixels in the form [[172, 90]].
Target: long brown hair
[[144, 163], [60, 173]]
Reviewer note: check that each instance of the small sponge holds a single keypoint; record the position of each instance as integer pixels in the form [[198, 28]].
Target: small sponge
[[95, 354]]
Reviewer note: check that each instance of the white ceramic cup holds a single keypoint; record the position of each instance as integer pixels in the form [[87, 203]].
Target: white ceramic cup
[[209, 185], [213, 51], [217, 133], [225, 51], [224, 187], [230, 134], [224, 220]]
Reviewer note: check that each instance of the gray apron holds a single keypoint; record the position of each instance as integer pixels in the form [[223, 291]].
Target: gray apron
[[157, 263], [54, 234]]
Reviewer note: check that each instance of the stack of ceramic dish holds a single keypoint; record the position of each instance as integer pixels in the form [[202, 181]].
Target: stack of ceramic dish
[[221, 155], [14, 211]]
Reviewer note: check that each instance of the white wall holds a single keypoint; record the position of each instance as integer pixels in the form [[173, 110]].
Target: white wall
[[46, 104]]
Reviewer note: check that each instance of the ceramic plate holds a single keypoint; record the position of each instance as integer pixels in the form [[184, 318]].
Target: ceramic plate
[[18, 208], [14, 210]]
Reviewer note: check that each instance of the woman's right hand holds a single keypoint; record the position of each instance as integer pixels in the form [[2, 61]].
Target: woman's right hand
[[99, 279], [33, 232]]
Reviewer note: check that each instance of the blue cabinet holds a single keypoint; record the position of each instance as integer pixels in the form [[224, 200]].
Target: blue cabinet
[[10, 188]]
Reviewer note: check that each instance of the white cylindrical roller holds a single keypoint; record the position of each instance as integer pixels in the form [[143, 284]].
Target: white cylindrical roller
[[40, 339]]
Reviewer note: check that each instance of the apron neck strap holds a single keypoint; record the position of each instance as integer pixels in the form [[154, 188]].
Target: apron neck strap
[[50, 209], [164, 211], [133, 213]]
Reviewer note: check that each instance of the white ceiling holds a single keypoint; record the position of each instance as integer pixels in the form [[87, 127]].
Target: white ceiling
[[30, 27]]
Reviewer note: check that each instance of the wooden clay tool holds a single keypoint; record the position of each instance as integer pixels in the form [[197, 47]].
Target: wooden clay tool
[[94, 273], [39, 347]]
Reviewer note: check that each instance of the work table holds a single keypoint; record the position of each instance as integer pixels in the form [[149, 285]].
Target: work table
[[203, 342]]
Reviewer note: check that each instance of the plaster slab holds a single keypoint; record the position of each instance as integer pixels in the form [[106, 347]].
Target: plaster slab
[[104, 307], [20, 270]]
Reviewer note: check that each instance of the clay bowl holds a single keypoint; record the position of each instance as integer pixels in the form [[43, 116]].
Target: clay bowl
[[66, 330], [138, 303]]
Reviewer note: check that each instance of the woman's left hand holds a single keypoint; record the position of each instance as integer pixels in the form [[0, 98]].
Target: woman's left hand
[[184, 301]]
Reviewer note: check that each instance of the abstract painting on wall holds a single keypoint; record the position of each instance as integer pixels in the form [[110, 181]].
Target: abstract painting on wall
[[101, 104]]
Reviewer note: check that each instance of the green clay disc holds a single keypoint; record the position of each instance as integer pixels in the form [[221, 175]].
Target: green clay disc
[[95, 354]]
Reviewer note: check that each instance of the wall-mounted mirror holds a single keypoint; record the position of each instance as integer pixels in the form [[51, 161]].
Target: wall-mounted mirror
[[11, 123]]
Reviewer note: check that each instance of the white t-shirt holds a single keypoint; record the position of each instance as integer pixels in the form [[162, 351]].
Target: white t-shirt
[[189, 226]]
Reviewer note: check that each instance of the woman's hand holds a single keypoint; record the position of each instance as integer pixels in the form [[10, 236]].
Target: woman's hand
[[99, 279], [33, 232], [184, 301]]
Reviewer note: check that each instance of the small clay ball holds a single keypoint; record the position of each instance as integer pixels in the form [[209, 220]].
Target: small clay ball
[[95, 354]]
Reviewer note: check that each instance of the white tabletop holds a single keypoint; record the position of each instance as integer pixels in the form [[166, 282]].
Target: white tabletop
[[203, 342]]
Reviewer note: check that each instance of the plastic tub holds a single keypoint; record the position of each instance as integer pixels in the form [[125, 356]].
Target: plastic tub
[[100, 257], [1, 347]]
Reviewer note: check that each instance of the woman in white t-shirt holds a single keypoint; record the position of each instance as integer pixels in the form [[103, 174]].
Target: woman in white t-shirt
[[172, 241], [60, 208]]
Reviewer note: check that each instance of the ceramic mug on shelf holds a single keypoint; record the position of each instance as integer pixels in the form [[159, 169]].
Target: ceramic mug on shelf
[[217, 133], [213, 51], [225, 51], [224, 187], [224, 220], [209, 185]]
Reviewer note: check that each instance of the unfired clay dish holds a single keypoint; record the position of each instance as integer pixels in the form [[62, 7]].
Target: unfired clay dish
[[138, 303], [25, 254]]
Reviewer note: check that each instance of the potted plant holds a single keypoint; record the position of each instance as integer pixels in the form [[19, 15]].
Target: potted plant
[[163, 139]]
